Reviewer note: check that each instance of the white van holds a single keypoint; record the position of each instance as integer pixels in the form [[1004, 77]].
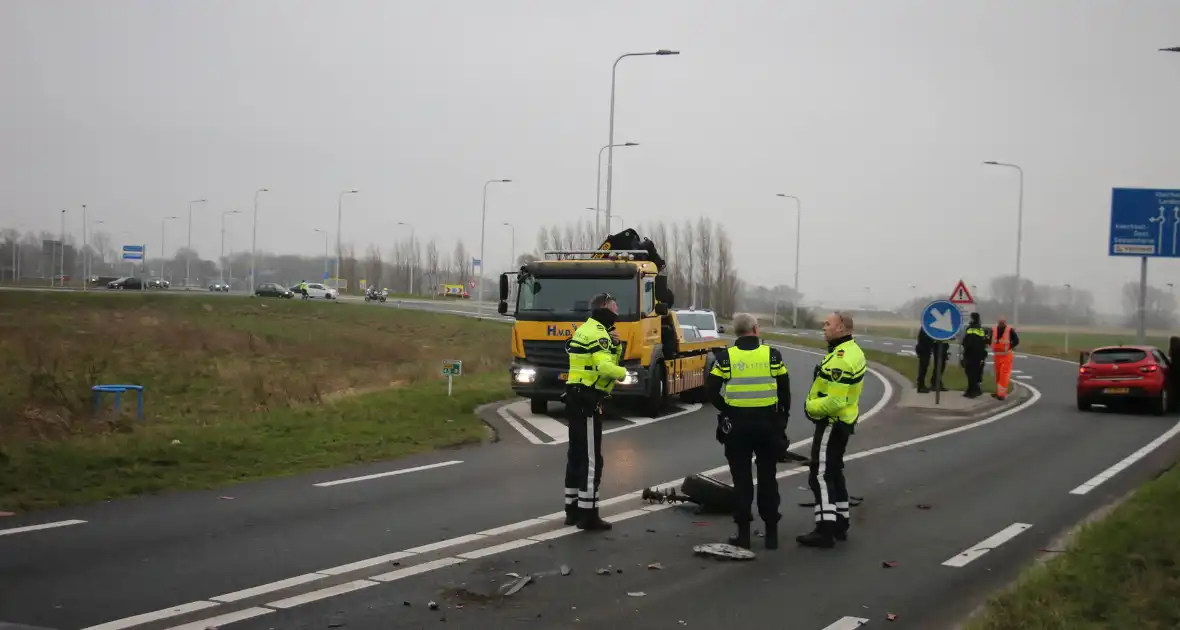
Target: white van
[[704, 321]]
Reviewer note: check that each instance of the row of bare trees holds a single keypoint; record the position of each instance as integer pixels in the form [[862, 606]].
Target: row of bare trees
[[699, 254]]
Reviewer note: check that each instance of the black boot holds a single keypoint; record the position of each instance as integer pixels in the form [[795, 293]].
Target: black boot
[[771, 540], [742, 537], [572, 514], [821, 536], [922, 389], [840, 532], [590, 521]]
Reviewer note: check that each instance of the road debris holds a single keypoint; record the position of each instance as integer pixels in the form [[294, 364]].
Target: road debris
[[512, 575], [226, 498], [923, 506], [723, 551], [637, 594], [655, 566], [890, 617], [433, 605], [565, 569], [405, 603], [517, 585], [889, 564], [603, 571]]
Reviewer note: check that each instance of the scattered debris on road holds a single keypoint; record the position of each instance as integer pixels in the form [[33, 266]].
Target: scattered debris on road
[[655, 566], [565, 569], [890, 617], [923, 506], [889, 564], [226, 498], [514, 587], [433, 605], [637, 594], [603, 572], [723, 551]]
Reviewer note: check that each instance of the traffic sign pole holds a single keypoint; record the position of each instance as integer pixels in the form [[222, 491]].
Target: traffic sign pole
[[1139, 222], [941, 321]]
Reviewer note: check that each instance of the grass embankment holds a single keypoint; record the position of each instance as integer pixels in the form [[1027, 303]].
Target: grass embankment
[[236, 388], [955, 377], [1119, 572]]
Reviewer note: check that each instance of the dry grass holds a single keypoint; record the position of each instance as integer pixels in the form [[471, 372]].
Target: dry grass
[[217, 366]]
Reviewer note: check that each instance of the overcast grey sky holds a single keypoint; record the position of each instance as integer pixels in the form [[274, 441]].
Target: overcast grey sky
[[877, 113]]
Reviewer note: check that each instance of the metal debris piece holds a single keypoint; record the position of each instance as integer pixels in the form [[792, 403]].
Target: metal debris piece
[[889, 564], [565, 569], [512, 575], [724, 551], [656, 566], [890, 617], [433, 605], [226, 498], [618, 570], [654, 495], [518, 584], [637, 594], [603, 572], [405, 603], [923, 506], [650, 530]]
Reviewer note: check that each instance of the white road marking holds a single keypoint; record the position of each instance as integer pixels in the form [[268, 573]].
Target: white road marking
[[33, 528], [1127, 462], [443, 544], [847, 623], [221, 620], [986, 545], [502, 410], [364, 564], [1024, 377], [268, 588], [495, 549], [156, 615], [511, 527], [888, 343], [425, 567], [324, 593], [400, 471], [559, 432]]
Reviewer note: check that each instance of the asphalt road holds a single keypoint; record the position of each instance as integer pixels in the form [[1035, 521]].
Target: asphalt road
[[1005, 486]]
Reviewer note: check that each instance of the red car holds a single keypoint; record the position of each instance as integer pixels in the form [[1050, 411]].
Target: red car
[[1124, 373]]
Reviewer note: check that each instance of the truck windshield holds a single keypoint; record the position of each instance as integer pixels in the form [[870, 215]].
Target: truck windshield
[[568, 299], [703, 321]]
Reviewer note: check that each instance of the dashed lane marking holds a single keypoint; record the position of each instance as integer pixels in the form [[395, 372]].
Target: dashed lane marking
[[995, 540]]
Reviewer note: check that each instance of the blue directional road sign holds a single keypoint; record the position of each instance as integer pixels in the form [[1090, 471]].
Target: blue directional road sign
[[1144, 222], [133, 252], [942, 320], [326, 275]]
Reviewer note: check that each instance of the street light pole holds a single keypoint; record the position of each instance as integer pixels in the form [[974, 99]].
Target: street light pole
[[189, 255], [413, 254], [163, 222], [221, 257], [483, 222], [339, 218], [598, 187], [798, 232], [85, 253], [610, 143], [1019, 238], [62, 270], [254, 240]]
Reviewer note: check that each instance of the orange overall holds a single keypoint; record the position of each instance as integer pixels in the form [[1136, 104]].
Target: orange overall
[[1002, 355]]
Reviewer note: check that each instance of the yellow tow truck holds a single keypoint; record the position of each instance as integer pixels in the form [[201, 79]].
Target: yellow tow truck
[[553, 298]]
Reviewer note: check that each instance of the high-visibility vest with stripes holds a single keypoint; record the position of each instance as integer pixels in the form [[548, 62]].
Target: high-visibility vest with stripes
[[1001, 343], [749, 376], [594, 358], [839, 379]]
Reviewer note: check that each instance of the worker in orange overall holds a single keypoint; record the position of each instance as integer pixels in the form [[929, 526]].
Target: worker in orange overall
[[1004, 341]]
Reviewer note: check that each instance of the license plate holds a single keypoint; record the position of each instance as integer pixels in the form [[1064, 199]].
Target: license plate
[[563, 376], [1116, 390]]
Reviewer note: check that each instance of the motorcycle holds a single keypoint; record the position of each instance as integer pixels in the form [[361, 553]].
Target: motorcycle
[[373, 295]]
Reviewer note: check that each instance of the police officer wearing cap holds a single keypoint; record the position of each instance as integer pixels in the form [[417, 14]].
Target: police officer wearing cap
[[594, 354], [833, 404], [753, 413]]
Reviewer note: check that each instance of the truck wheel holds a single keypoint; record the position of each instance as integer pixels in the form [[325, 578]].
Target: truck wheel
[[657, 395], [538, 406]]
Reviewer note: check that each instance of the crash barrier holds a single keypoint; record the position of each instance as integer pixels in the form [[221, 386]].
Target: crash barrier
[[118, 391]]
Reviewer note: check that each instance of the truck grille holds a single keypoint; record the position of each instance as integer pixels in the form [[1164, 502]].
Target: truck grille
[[550, 353]]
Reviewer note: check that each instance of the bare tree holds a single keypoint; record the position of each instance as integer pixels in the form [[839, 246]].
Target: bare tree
[[462, 264], [373, 267], [705, 250]]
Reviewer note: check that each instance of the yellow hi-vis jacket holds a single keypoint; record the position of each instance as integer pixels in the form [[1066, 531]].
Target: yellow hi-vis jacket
[[749, 376], [839, 379], [594, 357]]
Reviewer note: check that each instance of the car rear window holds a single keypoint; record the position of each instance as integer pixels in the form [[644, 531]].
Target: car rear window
[[1118, 355]]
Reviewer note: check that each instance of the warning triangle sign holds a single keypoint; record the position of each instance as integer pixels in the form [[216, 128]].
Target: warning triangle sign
[[961, 295]]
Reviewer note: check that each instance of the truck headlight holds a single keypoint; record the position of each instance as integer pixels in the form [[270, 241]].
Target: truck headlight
[[631, 378], [525, 375]]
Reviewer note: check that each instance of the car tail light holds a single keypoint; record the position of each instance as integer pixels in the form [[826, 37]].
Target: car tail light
[[1150, 368], [1085, 371]]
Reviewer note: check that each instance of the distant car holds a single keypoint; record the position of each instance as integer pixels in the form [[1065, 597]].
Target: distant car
[[158, 283], [128, 283], [317, 290], [270, 289], [219, 287], [1125, 373], [704, 320]]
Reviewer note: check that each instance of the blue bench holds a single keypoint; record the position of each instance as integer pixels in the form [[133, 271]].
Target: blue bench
[[118, 390]]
